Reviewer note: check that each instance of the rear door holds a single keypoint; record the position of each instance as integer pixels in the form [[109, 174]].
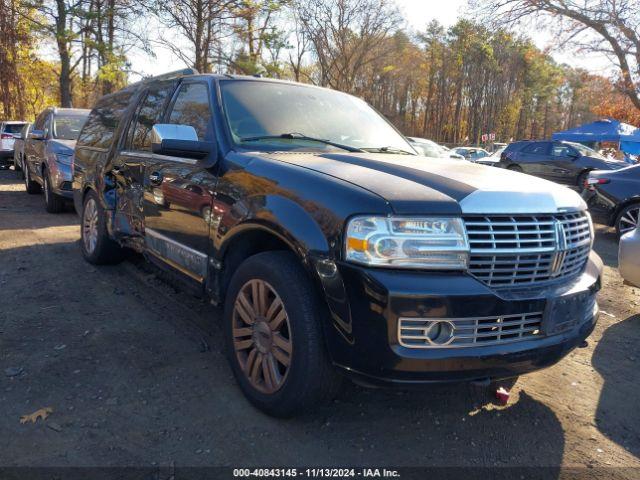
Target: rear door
[[178, 192], [532, 158]]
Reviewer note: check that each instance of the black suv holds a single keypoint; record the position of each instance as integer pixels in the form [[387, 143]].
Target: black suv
[[331, 245], [562, 162]]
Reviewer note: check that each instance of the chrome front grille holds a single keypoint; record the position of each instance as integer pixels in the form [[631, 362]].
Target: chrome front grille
[[511, 250], [468, 332]]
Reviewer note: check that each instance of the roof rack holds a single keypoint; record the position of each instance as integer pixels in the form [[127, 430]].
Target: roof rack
[[168, 76]]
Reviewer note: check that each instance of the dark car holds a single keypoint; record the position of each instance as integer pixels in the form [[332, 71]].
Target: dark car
[[614, 197], [330, 244], [48, 155], [567, 163]]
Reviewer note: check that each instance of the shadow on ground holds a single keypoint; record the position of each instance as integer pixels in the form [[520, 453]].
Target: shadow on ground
[[618, 412]]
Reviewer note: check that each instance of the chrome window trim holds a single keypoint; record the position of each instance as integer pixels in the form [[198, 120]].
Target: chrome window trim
[[155, 156]]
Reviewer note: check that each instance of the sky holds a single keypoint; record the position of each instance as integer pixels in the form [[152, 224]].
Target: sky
[[417, 14]]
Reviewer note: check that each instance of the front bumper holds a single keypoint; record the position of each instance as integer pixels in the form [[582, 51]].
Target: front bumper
[[367, 345]]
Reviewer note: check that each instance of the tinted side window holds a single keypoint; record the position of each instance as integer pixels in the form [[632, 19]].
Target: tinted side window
[[560, 150], [192, 108], [149, 113], [541, 148], [104, 119]]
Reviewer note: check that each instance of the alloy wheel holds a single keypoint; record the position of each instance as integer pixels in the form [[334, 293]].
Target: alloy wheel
[[262, 336], [90, 225], [629, 220]]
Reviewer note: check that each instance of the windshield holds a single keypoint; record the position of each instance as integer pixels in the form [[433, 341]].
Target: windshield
[[67, 127], [586, 151], [278, 116], [431, 150]]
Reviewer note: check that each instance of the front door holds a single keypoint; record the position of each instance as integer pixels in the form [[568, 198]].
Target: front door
[[178, 192], [562, 167], [135, 156]]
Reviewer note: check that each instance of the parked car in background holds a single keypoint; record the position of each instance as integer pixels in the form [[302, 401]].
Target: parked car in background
[[335, 247], [48, 154], [567, 163], [471, 153], [614, 197], [9, 132], [18, 148], [629, 257], [429, 148], [492, 160]]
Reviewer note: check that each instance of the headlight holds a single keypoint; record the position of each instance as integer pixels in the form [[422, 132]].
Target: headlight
[[430, 242]]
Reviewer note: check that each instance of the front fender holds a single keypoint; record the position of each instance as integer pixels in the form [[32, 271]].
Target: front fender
[[313, 236]]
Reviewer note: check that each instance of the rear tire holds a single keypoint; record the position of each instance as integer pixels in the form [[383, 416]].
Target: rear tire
[[627, 219], [515, 168], [96, 245], [30, 186], [53, 203], [273, 333]]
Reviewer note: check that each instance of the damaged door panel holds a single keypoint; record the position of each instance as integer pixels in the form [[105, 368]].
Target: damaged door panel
[[131, 162]]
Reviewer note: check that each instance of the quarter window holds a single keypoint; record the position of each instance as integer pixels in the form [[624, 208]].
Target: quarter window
[[191, 107]]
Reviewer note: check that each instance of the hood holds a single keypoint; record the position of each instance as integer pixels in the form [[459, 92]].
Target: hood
[[603, 164], [64, 147], [419, 185]]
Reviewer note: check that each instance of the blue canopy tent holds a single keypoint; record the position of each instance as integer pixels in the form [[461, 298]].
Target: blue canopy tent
[[605, 130], [631, 143]]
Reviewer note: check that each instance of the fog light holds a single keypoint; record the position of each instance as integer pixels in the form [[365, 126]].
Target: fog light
[[439, 332]]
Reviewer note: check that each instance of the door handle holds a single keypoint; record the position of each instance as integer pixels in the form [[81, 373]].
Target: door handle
[[155, 178]]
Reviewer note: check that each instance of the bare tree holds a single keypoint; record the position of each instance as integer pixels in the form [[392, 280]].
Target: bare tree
[[347, 35], [200, 23], [614, 25]]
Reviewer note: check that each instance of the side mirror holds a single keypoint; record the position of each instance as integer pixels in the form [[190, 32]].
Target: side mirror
[[36, 135], [182, 141]]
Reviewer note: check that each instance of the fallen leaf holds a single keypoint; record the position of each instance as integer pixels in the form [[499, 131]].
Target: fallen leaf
[[42, 413]]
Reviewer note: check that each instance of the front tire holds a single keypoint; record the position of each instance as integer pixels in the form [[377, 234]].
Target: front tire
[[273, 334], [515, 168], [96, 245], [628, 219], [53, 203]]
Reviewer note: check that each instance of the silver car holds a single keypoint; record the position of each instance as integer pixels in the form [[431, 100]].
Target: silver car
[[629, 257]]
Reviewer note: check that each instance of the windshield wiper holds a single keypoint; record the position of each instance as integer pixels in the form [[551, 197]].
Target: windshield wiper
[[387, 150], [300, 136]]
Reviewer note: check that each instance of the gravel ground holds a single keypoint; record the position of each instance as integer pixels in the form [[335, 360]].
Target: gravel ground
[[134, 373]]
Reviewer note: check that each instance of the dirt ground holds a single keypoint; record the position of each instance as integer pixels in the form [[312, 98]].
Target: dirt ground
[[135, 375]]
